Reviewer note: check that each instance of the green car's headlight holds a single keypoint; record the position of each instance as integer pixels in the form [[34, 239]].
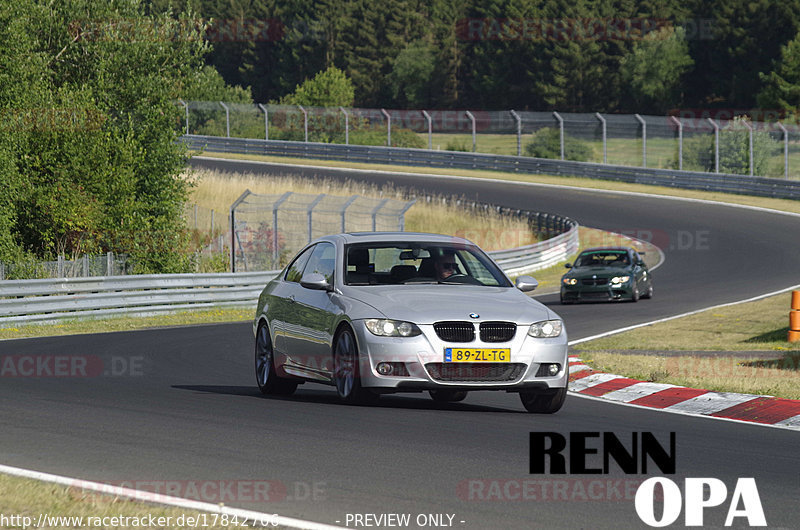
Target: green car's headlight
[[384, 327], [570, 281], [620, 279], [546, 329]]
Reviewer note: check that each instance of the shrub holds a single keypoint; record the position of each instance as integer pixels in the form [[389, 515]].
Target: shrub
[[546, 143]]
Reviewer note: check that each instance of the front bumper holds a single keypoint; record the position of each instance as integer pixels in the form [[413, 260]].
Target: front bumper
[[423, 357], [584, 293]]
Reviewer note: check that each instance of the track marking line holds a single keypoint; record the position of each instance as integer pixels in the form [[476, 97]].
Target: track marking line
[[166, 500]]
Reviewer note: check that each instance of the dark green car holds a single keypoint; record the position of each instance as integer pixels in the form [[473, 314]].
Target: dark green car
[[607, 273]]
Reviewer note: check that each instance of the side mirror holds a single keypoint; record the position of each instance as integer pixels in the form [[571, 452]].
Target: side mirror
[[568, 265], [315, 281], [526, 283]]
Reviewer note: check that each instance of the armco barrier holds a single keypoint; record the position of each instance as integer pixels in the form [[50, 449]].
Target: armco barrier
[[721, 182], [52, 299]]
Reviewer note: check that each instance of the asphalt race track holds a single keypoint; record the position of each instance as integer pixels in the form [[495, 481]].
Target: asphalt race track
[[180, 405]]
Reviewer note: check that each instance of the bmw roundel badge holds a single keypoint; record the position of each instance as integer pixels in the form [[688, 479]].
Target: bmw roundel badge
[[474, 315]]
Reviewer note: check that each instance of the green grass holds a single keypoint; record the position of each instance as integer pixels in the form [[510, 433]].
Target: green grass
[[769, 365]]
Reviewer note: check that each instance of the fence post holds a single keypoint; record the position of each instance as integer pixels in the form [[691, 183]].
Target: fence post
[[344, 210], [388, 127], [227, 119], [402, 215], [275, 225], [474, 139], [519, 132], [195, 217], [374, 214], [561, 131], [310, 215], [716, 144], [2, 271], [785, 149], [266, 121], [212, 222], [186, 109], [85, 266], [750, 139], [236, 203], [109, 263], [60, 266], [680, 141], [644, 139], [605, 143], [305, 123], [430, 129], [346, 126]]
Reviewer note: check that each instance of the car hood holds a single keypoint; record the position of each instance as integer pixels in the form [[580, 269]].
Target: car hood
[[600, 272], [429, 303]]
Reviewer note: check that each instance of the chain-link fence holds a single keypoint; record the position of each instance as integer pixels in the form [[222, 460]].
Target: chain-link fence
[[266, 230], [690, 141], [109, 264]]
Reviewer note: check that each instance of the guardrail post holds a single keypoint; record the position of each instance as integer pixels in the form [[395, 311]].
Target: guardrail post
[[519, 132], [561, 131], [716, 144], [374, 214], [310, 211], [750, 139], [236, 203], [266, 121], [346, 126], [474, 139], [388, 127], [186, 109], [605, 142], [644, 139], [305, 123], [430, 129], [680, 141], [227, 119], [402, 215]]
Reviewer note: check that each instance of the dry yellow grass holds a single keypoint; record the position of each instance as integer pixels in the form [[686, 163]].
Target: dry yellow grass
[[214, 190]]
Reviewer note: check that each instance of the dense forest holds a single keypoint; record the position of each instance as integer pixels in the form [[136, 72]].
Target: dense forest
[[572, 55]]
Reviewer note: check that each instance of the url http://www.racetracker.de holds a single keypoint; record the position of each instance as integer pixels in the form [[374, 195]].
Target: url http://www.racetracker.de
[[202, 520]]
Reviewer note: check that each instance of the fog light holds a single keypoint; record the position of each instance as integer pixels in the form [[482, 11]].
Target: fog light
[[554, 369], [384, 368], [548, 369]]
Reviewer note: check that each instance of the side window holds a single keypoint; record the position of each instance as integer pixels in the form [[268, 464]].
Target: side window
[[322, 261], [295, 270]]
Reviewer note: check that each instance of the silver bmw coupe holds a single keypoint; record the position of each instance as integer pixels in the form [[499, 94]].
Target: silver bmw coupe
[[383, 312]]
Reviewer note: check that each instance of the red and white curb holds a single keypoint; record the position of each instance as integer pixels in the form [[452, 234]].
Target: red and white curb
[[766, 410]]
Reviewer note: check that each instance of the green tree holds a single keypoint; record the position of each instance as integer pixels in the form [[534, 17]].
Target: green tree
[[411, 74], [782, 85], [330, 88], [654, 67]]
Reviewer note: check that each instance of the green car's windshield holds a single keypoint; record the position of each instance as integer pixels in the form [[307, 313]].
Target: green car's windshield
[[603, 258], [419, 263]]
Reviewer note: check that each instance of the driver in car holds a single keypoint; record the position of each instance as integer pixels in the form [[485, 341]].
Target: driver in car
[[445, 266]]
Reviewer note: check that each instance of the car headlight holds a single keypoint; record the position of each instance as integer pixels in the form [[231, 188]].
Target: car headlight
[[570, 281], [384, 327], [546, 329], [620, 279]]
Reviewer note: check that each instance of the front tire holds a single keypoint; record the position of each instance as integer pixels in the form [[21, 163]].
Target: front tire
[[346, 371], [649, 293], [548, 402], [635, 292], [448, 396], [268, 381]]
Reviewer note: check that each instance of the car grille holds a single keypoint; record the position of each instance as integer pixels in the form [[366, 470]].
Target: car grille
[[596, 296], [455, 331], [497, 331], [471, 372], [595, 281]]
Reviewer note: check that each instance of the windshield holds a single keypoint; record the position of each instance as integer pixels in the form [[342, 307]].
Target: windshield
[[419, 263], [603, 258]]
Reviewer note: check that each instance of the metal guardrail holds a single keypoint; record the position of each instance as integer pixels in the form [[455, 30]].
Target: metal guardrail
[[721, 182], [24, 301]]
